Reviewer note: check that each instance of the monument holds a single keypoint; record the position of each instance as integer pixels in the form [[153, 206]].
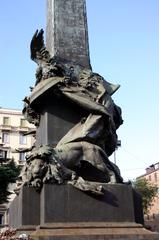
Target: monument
[[70, 188]]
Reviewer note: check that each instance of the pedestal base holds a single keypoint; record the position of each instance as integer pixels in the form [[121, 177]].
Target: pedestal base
[[63, 212], [93, 231], [64, 203]]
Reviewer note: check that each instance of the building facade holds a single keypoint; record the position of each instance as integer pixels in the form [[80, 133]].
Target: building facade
[[152, 175], [13, 130]]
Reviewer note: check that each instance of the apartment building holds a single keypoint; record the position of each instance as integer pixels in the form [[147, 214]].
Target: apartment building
[[152, 175], [13, 128]]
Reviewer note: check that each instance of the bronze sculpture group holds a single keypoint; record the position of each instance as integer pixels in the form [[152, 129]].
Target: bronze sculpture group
[[80, 158]]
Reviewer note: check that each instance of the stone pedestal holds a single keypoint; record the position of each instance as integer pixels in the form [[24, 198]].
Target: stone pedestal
[[25, 209], [62, 212], [56, 120], [64, 203], [57, 114], [94, 231]]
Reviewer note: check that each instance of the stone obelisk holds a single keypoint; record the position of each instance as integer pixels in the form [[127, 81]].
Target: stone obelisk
[[67, 31]]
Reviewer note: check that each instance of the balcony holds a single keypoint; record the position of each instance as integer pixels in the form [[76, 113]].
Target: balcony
[[6, 127], [23, 129]]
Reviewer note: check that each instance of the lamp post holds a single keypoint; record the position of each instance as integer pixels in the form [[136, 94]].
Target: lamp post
[[118, 145]]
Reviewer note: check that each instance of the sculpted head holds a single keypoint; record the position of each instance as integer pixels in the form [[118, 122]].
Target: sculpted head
[[37, 168]]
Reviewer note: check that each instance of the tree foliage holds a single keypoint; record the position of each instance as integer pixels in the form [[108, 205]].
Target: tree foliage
[[8, 174], [147, 190]]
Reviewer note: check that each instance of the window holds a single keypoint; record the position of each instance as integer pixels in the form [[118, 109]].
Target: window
[[157, 166], [3, 154], [22, 139], [1, 216], [5, 137], [6, 121], [21, 156], [149, 177], [22, 122]]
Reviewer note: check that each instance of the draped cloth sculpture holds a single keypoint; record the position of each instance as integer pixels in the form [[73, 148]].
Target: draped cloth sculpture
[[81, 156]]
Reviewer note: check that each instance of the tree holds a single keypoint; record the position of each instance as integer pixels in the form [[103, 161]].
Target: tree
[[147, 190], [8, 174]]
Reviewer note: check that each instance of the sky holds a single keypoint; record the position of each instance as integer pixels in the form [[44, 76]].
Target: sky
[[124, 49]]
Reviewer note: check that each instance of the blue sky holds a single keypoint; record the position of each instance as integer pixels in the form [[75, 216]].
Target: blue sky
[[124, 48]]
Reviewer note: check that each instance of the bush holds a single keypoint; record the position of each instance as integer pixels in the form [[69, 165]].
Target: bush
[[8, 174], [147, 190]]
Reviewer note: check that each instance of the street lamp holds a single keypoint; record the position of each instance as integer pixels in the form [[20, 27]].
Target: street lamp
[[117, 145]]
